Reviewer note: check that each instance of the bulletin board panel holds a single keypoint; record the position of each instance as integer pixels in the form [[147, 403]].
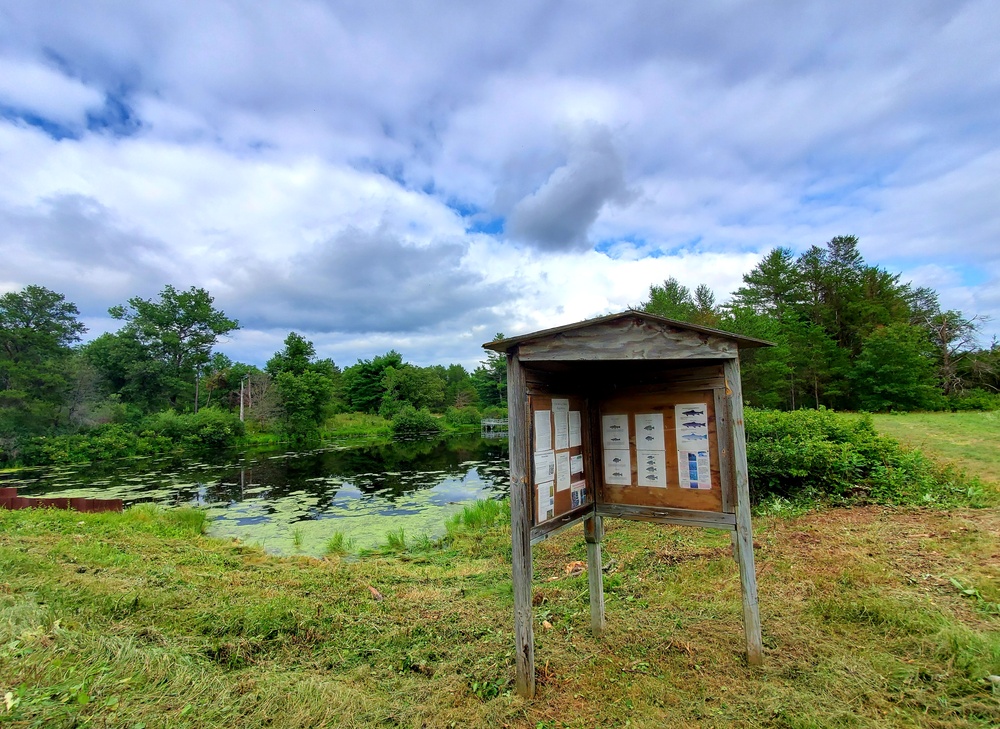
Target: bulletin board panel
[[557, 459], [663, 429]]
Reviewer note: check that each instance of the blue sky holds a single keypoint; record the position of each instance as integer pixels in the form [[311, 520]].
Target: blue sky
[[378, 176]]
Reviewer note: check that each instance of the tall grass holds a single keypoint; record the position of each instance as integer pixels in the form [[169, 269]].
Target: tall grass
[[479, 515], [338, 544], [395, 540]]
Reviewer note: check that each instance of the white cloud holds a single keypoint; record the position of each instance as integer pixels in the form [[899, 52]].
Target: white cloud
[[308, 153], [30, 87]]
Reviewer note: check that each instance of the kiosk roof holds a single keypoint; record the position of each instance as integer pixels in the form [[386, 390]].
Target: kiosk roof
[[505, 345]]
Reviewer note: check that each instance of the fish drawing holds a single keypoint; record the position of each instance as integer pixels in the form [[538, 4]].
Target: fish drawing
[[650, 476], [618, 473], [615, 427], [694, 424], [693, 412], [695, 436], [616, 460], [651, 469], [649, 437], [616, 440], [649, 427]]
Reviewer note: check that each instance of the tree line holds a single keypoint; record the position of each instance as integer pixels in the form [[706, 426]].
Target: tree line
[[848, 335], [163, 359]]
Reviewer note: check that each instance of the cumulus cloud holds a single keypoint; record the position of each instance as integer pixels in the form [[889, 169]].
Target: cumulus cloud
[[30, 88], [558, 215], [363, 281], [301, 159], [74, 245]]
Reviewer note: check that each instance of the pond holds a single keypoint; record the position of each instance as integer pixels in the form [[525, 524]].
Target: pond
[[293, 501]]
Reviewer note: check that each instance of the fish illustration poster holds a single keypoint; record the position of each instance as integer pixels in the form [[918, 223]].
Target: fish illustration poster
[[649, 431], [693, 461], [617, 459], [652, 468], [617, 467], [692, 426], [614, 429]]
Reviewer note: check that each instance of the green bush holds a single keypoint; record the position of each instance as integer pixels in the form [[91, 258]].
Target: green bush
[[208, 428], [494, 411], [410, 421], [975, 400], [105, 441], [817, 454], [462, 416]]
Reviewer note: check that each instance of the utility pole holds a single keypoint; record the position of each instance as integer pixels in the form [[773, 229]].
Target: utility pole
[[242, 380]]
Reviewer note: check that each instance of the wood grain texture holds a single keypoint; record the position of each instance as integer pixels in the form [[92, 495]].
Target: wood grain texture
[[672, 496], [510, 344], [723, 429], [627, 338], [520, 528], [593, 534], [663, 515], [560, 524], [744, 531]]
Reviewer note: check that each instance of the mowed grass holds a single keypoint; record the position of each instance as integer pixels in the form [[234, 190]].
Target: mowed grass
[[969, 440], [872, 617]]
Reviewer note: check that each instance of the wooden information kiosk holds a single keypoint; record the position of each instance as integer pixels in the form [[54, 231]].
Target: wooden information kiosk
[[631, 416]]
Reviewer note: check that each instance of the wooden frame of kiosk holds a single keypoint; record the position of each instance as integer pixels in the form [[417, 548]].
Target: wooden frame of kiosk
[[632, 416]]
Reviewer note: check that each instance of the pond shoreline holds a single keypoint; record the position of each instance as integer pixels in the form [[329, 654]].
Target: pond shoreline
[[295, 500]]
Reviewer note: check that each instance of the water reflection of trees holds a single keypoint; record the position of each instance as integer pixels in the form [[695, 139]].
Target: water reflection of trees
[[386, 471]]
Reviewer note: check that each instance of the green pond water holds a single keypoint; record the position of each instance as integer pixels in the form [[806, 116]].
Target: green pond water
[[293, 501]]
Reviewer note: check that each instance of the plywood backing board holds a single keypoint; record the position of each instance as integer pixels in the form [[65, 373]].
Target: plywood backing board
[[607, 378], [563, 499], [672, 496]]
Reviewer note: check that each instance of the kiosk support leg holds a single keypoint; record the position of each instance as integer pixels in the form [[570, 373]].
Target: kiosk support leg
[[744, 533], [593, 533], [520, 527]]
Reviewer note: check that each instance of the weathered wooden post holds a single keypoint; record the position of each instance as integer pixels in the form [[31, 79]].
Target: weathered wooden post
[[520, 527], [743, 532], [593, 534], [631, 416]]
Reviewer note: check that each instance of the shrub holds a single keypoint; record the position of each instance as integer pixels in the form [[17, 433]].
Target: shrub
[[208, 428], [462, 416], [819, 454], [975, 400], [495, 411], [410, 421]]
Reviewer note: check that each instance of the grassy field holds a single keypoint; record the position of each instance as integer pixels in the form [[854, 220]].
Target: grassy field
[[969, 440], [872, 617]]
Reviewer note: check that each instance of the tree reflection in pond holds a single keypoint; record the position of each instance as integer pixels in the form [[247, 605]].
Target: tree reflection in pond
[[266, 497]]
